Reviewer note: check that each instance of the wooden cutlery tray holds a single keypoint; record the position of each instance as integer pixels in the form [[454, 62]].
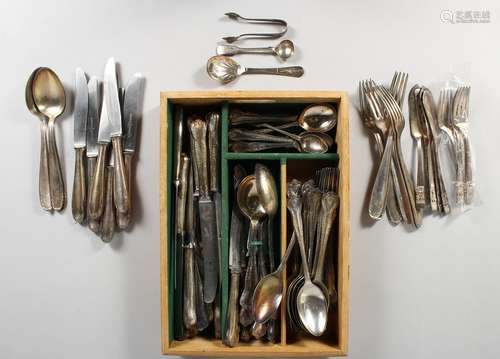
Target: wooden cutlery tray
[[286, 166]]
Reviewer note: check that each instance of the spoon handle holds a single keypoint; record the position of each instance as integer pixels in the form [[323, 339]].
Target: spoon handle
[[57, 191], [236, 135], [291, 71], [78, 199], [43, 175], [96, 199], [259, 146], [230, 50]]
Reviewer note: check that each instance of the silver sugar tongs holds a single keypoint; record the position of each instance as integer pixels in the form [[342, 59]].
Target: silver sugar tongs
[[277, 22]]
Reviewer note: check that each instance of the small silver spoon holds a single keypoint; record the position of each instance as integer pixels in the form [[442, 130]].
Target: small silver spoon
[[283, 50], [225, 69]]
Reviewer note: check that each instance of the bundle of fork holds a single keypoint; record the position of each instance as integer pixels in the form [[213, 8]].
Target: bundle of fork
[[453, 119], [393, 189]]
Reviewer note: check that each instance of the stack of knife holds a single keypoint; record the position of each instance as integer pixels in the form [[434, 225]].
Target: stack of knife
[[196, 244], [103, 173]]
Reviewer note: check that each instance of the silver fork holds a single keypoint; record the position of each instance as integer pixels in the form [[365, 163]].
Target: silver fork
[[461, 122]]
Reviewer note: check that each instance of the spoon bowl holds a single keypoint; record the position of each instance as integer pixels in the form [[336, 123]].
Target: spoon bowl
[[48, 93], [312, 308], [309, 142], [318, 118], [249, 200], [224, 69], [284, 49]]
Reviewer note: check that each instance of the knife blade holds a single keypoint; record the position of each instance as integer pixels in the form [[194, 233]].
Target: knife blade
[[96, 199], [131, 115], [112, 100], [78, 199], [198, 131]]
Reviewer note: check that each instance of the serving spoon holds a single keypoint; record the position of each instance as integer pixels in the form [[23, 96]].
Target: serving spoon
[[43, 174], [283, 50], [50, 100], [225, 69]]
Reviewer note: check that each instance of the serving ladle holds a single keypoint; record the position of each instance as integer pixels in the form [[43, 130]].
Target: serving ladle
[[50, 100], [225, 69], [312, 305], [309, 142], [283, 50], [43, 174]]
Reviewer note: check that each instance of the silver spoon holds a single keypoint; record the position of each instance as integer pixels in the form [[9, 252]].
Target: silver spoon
[[50, 99], [43, 174], [309, 142], [311, 303], [225, 69], [283, 50]]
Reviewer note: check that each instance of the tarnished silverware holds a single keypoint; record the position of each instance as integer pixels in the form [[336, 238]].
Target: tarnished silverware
[[108, 215], [190, 317], [417, 136], [43, 174], [49, 98], [277, 22], [283, 50], [262, 146], [225, 70], [309, 142]]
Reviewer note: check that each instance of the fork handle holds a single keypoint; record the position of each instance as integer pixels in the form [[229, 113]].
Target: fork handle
[[469, 181], [378, 198], [420, 183]]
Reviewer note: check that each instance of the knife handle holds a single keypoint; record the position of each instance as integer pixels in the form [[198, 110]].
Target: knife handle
[[189, 293], [43, 174], [232, 321], [121, 189], [213, 146], [96, 200], [178, 130], [198, 130], [57, 191], [94, 225], [108, 218], [123, 219], [78, 199], [182, 194]]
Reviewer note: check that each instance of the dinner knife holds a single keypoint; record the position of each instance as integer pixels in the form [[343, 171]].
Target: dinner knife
[[114, 119], [198, 130], [78, 199], [213, 124], [96, 199], [92, 147], [232, 336], [131, 115]]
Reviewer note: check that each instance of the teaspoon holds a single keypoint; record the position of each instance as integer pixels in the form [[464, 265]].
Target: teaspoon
[[43, 174], [283, 50], [225, 69], [309, 142], [50, 99]]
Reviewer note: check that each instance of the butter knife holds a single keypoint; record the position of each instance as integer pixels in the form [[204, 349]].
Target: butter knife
[[78, 200], [198, 131]]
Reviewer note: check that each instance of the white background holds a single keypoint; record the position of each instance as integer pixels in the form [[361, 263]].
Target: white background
[[64, 294]]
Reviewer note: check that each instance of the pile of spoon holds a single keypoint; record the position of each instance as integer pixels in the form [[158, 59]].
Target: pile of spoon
[[224, 69], [46, 99], [253, 132]]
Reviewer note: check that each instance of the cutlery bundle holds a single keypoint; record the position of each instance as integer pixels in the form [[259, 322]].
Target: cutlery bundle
[[393, 190], [105, 136]]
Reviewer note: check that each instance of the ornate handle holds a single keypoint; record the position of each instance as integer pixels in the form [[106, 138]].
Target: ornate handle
[[432, 181], [420, 185], [230, 50], [232, 328], [213, 145], [260, 146], [469, 180], [43, 174], [108, 219], [329, 205], [96, 199], [189, 293], [121, 188], [378, 198], [251, 279], [123, 219], [237, 117], [291, 71], [198, 130], [78, 199], [94, 224], [56, 180], [182, 194], [442, 189]]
